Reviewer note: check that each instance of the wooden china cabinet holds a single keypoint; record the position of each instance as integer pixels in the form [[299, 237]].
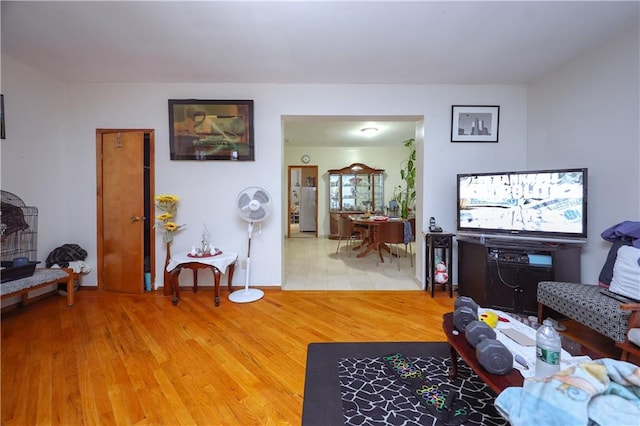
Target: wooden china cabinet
[[354, 189]]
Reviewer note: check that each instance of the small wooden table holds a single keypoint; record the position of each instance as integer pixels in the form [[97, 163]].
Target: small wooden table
[[439, 241], [218, 264], [460, 346]]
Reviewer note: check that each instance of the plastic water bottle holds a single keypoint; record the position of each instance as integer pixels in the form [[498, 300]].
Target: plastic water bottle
[[548, 348]]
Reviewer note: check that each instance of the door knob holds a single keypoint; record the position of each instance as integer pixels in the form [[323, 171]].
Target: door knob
[[136, 218]]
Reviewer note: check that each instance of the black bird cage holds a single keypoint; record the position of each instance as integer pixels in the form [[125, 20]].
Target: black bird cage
[[18, 229]]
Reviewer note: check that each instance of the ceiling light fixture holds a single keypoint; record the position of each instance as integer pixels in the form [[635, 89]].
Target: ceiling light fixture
[[369, 131]]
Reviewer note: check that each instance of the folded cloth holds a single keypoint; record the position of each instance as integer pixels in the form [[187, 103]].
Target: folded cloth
[[66, 253], [605, 391], [606, 274], [78, 266], [625, 231]]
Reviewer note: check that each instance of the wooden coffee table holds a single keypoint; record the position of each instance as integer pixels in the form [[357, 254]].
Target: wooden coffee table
[[460, 347]]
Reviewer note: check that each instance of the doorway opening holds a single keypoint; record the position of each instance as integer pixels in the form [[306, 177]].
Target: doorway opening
[[302, 202], [333, 142]]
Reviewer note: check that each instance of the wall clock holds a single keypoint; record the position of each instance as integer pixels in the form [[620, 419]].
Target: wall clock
[[305, 159]]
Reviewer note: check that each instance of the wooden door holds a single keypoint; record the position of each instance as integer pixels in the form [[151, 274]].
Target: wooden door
[[124, 156]]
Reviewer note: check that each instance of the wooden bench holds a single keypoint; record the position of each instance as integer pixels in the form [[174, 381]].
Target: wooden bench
[[629, 348], [40, 278], [585, 304]]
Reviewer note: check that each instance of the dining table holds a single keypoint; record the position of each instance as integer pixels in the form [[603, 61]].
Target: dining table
[[372, 242]]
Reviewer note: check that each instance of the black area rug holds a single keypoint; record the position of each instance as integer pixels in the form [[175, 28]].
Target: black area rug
[[347, 384]]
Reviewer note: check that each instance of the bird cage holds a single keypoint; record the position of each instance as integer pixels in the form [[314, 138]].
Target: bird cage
[[18, 229]]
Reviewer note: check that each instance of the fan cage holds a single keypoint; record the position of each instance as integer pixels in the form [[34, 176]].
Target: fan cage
[[244, 199], [21, 242]]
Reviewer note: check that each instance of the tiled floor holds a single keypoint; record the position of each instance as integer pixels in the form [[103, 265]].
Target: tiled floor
[[312, 264], [295, 232]]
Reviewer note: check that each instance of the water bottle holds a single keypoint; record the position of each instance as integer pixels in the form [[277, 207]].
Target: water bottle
[[548, 348]]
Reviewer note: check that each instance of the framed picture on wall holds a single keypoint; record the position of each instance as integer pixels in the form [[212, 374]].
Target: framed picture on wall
[[474, 123], [2, 135], [211, 130]]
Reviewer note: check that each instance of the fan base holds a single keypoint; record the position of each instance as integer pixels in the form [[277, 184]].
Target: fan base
[[246, 295]]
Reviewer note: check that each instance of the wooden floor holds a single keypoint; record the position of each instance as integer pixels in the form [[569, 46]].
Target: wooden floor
[[117, 359], [114, 359]]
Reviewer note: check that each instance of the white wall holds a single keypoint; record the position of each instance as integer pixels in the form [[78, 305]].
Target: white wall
[[34, 163], [587, 114], [33, 155], [584, 114], [66, 177]]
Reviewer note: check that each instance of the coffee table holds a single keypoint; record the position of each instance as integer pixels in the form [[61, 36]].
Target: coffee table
[[460, 347]]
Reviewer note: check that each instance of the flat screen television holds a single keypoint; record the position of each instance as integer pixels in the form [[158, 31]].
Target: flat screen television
[[537, 204]]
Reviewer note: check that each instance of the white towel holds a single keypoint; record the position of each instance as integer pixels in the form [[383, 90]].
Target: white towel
[[78, 266]]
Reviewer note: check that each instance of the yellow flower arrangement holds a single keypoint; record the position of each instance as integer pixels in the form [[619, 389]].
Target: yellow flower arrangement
[[164, 217], [169, 205]]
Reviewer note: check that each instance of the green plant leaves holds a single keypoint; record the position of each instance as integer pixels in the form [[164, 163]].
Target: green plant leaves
[[406, 195]]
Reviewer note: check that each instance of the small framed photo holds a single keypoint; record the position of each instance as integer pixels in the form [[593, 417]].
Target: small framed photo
[[474, 123], [211, 130], [2, 135]]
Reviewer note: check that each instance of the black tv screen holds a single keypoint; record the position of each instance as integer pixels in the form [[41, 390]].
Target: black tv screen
[[539, 204]]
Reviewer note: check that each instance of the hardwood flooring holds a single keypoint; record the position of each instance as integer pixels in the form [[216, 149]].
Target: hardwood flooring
[[120, 359]]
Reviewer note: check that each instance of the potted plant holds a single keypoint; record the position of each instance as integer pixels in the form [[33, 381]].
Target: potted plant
[[406, 194]]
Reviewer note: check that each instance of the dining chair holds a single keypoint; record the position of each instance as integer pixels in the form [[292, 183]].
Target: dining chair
[[392, 234], [347, 231], [396, 233]]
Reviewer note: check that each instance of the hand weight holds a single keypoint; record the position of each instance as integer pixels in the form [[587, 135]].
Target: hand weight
[[490, 352], [477, 331], [465, 301], [466, 310]]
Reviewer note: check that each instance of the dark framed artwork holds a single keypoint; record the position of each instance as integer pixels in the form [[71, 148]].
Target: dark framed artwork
[[475, 123], [211, 130], [2, 134]]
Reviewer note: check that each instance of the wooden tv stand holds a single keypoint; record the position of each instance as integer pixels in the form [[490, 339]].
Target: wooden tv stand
[[504, 274]]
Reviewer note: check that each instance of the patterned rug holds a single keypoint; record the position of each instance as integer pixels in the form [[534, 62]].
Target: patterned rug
[[348, 383], [374, 396]]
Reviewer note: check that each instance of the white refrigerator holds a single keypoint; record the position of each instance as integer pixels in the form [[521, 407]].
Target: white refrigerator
[[307, 209]]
